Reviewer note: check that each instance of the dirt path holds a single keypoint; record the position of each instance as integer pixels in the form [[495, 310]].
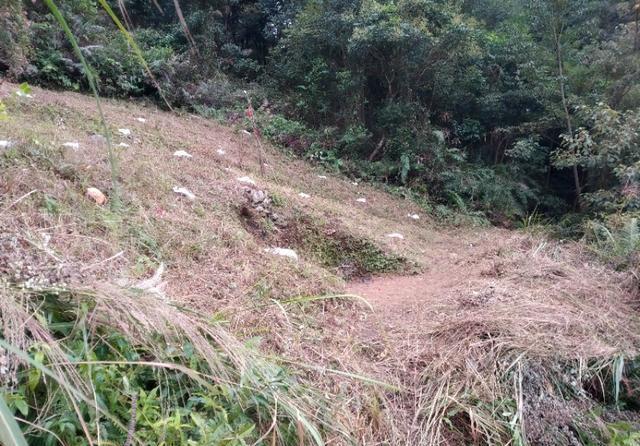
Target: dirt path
[[452, 264]]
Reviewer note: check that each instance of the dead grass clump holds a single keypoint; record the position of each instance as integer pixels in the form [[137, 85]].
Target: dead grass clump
[[515, 362]]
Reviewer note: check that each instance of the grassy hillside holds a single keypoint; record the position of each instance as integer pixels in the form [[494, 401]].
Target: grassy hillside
[[172, 319]]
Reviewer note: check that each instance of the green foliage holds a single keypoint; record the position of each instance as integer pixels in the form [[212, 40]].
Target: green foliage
[[170, 388], [617, 239], [623, 434]]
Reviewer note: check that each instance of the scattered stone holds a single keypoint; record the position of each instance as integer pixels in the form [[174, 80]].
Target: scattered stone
[[125, 132], [96, 195], [184, 192], [141, 120], [123, 144], [259, 207], [322, 177], [221, 152], [4, 144], [413, 216], [257, 197], [246, 133], [22, 94], [361, 200], [72, 145], [303, 195], [355, 183], [396, 235], [246, 180], [284, 252], [182, 154]]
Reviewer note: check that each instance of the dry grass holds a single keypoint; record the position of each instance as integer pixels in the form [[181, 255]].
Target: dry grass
[[485, 344], [513, 351]]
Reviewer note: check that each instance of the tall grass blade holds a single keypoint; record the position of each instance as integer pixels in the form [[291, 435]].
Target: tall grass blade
[[10, 433], [113, 161]]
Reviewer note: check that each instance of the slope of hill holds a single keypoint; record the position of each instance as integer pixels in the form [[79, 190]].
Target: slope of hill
[[463, 334]]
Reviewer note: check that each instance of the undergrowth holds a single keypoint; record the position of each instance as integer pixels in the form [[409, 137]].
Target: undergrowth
[[117, 366]]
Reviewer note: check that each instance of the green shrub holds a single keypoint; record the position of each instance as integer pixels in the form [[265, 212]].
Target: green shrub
[[616, 238], [125, 368]]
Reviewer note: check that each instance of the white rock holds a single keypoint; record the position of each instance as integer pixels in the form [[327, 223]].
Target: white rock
[[123, 144], [22, 94], [182, 154], [4, 143], [322, 177], [246, 133], [396, 235], [414, 216], [141, 120], [221, 152], [303, 195], [284, 252], [125, 132], [361, 200], [72, 145], [246, 180], [355, 183], [184, 192]]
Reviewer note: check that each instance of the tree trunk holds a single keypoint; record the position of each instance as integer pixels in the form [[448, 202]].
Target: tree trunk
[[565, 106]]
